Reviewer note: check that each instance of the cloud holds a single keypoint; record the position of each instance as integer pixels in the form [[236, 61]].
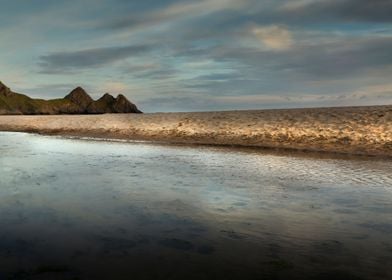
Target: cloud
[[185, 10], [83, 59], [339, 58], [197, 8], [337, 10], [274, 37], [202, 54], [218, 77], [147, 70], [227, 14]]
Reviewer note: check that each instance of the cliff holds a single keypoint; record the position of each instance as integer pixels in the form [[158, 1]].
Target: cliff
[[76, 102]]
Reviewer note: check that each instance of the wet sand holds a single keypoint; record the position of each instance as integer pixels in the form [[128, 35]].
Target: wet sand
[[352, 130]]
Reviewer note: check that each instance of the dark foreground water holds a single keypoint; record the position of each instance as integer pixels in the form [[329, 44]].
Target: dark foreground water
[[77, 209]]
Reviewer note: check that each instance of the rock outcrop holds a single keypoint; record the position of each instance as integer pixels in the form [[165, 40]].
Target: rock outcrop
[[80, 97], [76, 102], [122, 104], [4, 90], [102, 105]]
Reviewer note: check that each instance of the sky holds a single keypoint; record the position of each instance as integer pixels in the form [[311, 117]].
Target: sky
[[201, 55]]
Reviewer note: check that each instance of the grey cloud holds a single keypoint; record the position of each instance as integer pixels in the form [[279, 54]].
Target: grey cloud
[[219, 77], [150, 71], [340, 59], [157, 74], [343, 10], [337, 66], [66, 61], [178, 38], [121, 23], [218, 15], [343, 58], [224, 18]]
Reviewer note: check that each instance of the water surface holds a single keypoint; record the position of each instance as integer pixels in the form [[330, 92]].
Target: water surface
[[77, 209]]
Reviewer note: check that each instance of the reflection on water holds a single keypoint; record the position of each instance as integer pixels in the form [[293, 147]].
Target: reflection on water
[[74, 209]]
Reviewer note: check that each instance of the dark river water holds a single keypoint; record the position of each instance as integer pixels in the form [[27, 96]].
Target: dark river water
[[79, 209]]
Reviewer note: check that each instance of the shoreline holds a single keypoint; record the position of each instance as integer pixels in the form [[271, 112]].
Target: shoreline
[[363, 130]]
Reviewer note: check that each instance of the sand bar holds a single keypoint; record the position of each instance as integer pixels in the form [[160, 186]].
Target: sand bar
[[353, 130]]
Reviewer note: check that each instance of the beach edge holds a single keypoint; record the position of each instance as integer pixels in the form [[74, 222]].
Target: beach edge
[[365, 130]]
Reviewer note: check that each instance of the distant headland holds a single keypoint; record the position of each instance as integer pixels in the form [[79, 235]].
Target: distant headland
[[76, 102]]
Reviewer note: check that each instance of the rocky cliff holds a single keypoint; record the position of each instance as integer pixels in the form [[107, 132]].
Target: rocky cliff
[[76, 102]]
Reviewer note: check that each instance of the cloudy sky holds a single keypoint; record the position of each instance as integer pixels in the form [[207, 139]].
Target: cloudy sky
[[197, 55]]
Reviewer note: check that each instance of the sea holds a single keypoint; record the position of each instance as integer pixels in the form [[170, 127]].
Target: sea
[[80, 208]]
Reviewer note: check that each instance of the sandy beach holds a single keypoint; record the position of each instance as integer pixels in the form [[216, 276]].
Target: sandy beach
[[351, 130]]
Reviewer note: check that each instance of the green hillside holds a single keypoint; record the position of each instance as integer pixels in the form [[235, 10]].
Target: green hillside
[[77, 102]]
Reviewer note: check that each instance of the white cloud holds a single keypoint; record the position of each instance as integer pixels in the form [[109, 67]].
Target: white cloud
[[274, 37]]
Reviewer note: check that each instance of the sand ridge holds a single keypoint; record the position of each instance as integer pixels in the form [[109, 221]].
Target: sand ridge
[[355, 130]]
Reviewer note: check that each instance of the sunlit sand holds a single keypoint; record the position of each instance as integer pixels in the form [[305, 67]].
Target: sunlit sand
[[354, 130]]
